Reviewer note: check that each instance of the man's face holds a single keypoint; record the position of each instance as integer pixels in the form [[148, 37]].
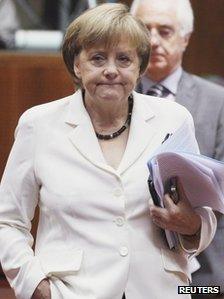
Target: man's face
[[167, 44]]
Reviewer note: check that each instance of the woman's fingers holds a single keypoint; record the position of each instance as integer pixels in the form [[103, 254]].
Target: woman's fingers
[[180, 218], [168, 203]]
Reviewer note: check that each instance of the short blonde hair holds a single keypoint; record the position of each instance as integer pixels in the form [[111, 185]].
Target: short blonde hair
[[106, 24]]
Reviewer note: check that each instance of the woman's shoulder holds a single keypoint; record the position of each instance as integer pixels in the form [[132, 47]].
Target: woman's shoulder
[[164, 110], [45, 111]]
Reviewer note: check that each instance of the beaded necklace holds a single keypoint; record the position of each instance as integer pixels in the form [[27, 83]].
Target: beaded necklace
[[123, 128]]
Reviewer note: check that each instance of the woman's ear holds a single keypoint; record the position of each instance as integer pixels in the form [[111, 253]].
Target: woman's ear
[[76, 68]]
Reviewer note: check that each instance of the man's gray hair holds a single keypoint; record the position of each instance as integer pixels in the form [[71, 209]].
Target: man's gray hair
[[184, 12]]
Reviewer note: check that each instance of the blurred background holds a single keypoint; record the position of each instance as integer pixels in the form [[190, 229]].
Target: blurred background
[[31, 67]]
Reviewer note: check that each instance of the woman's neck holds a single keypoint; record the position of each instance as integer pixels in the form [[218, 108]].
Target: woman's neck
[[107, 115]]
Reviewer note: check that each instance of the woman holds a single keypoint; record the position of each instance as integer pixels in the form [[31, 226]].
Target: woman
[[82, 159]]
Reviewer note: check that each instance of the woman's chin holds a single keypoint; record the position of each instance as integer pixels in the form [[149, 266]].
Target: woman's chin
[[110, 92], [111, 96]]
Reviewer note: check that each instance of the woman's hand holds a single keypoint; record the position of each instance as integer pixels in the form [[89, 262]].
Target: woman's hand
[[180, 218], [42, 291]]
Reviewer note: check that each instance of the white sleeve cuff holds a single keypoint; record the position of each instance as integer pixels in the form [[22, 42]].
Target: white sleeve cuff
[[208, 228]]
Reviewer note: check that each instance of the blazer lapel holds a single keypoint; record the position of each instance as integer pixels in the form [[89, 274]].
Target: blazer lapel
[[141, 132], [82, 135], [186, 93]]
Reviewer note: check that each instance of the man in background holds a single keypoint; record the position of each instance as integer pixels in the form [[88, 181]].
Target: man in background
[[170, 24]]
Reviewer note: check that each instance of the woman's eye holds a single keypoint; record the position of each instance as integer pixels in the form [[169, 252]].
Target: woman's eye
[[98, 59], [124, 60]]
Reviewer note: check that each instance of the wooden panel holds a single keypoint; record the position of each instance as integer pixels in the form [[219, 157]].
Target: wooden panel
[[205, 53], [27, 80]]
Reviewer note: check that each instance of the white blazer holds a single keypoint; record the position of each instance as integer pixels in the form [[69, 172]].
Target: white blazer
[[95, 238]]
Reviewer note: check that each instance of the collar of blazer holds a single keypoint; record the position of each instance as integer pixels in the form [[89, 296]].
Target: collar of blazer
[[84, 139], [77, 113]]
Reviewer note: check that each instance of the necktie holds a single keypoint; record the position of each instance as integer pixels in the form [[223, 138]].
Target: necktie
[[158, 91]]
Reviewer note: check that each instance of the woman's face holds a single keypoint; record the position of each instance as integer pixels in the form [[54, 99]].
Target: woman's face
[[108, 74]]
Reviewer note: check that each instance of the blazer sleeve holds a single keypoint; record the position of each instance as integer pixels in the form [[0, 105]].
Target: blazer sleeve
[[195, 245], [18, 199]]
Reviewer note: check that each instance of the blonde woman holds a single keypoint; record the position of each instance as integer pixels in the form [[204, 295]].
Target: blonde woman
[[82, 159]]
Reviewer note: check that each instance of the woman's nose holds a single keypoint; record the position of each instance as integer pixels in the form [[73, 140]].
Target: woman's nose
[[111, 69]]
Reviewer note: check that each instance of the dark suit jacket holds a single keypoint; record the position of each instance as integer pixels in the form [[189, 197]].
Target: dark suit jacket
[[205, 101]]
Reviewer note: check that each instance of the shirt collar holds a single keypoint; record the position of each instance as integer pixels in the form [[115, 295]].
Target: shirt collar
[[170, 82]]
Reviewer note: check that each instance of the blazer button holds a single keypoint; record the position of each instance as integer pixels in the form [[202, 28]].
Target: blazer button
[[119, 221], [123, 251]]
